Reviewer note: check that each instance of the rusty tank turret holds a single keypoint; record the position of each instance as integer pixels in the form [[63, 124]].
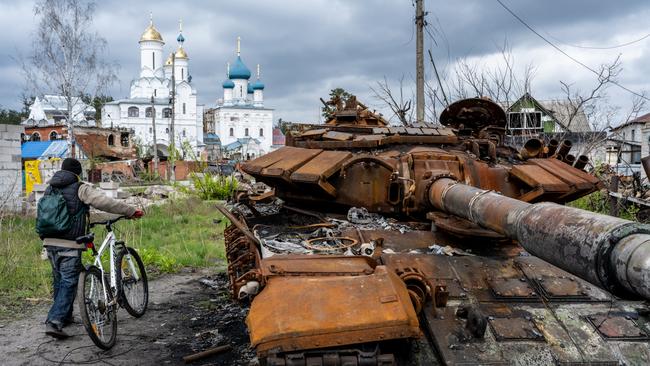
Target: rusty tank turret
[[425, 245]]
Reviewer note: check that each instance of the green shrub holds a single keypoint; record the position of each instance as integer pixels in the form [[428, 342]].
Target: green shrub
[[213, 187], [599, 202]]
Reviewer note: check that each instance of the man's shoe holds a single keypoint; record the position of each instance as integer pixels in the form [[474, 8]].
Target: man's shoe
[[54, 331], [71, 321]]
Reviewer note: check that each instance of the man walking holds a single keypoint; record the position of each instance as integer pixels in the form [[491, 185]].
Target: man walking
[[62, 250]]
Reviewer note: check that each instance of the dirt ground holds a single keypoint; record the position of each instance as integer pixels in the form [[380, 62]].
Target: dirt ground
[[184, 316]]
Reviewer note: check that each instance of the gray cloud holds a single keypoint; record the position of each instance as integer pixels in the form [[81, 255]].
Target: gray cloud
[[308, 47]]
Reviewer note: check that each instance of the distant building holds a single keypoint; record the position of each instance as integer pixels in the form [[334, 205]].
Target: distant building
[[47, 117], [92, 142], [553, 119], [155, 82], [627, 144], [279, 139], [240, 120], [213, 147]]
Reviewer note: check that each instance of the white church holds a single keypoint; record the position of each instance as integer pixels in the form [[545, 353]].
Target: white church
[[242, 123], [155, 82]]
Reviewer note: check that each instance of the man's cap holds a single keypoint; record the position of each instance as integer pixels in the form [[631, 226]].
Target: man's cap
[[71, 165]]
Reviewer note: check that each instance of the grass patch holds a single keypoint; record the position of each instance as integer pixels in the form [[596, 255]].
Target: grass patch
[[177, 234], [599, 202]]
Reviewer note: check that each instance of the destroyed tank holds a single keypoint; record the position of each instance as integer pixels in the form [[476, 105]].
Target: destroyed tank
[[427, 245]]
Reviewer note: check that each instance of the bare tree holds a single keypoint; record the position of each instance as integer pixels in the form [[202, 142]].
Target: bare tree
[[400, 106], [593, 106], [67, 57]]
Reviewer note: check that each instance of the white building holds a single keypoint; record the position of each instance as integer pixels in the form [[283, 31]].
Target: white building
[[155, 81], [244, 126], [627, 144], [51, 110]]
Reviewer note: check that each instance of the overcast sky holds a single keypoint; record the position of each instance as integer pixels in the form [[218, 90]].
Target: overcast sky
[[308, 47]]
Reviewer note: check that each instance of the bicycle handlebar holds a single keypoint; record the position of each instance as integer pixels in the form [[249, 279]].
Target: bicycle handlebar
[[108, 222]]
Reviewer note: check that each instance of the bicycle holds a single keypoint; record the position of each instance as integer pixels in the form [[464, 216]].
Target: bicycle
[[99, 294]]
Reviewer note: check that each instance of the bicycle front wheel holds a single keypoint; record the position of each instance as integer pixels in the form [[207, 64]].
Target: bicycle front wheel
[[98, 311], [132, 278]]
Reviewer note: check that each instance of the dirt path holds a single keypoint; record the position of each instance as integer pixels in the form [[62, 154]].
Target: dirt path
[[184, 317]]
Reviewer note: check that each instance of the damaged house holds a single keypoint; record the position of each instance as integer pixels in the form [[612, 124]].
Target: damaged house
[[553, 119], [626, 145]]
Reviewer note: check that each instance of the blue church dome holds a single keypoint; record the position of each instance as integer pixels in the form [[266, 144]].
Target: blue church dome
[[228, 84], [239, 70], [258, 85], [180, 38], [249, 90]]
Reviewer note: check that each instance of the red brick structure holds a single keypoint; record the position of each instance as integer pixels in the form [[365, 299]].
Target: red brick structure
[[96, 142]]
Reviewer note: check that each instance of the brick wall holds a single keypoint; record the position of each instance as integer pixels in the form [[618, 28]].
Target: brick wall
[[11, 184], [183, 169]]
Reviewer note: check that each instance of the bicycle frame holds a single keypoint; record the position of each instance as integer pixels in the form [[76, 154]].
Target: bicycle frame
[[109, 243]]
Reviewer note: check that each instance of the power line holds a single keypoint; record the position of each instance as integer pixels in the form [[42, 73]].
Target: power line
[[602, 47], [566, 54]]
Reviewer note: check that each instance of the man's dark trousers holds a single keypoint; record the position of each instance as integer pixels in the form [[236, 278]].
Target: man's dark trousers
[[66, 266]]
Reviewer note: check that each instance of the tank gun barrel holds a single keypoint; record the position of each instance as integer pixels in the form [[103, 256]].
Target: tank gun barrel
[[609, 252]]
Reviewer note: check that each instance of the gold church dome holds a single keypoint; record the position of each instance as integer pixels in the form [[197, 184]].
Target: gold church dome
[[169, 61], [180, 53], [151, 34]]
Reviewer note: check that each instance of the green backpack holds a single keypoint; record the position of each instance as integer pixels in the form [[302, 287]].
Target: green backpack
[[52, 216]]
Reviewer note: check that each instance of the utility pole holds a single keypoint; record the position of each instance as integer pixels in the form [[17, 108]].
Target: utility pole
[[155, 141], [419, 60], [171, 160]]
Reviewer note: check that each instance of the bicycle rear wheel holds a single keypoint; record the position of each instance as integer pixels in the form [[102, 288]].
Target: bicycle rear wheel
[[98, 315], [132, 276]]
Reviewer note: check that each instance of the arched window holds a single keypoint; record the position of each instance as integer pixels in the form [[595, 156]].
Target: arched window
[[183, 108], [166, 129], [124, 139], [246, 132], [53, 135], [153, 60], [183, 132], [182, 73], [134, 112], [167, 113], [36, 136], [111, 140], [261, 132], [148, 112], [232, 131]]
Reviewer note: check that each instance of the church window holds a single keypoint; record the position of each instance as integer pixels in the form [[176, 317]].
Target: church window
[[148, 112], [261, 132], [36, 136], [183, 132], [182, 73], [134, 112], [153, 60], [241, 91], [167, 130], [183, 108], [167, 113], [124, 139], [246, 132], [154, 92], [111, 140], [150, 130], [53, 135], [232, 131]]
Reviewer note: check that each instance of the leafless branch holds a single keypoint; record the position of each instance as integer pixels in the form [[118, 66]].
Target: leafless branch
[[399, 106]]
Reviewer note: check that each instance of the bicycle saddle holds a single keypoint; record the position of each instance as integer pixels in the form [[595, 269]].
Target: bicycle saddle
[[85, 239]]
